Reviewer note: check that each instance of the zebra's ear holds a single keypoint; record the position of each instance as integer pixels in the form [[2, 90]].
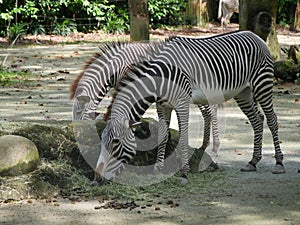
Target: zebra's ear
[[129, 124], [134, 124], [84, 99]]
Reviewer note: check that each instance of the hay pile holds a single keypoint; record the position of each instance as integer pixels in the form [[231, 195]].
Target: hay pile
[[63, 171]]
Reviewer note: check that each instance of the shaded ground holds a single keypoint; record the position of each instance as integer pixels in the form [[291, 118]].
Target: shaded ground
[[225, 197]]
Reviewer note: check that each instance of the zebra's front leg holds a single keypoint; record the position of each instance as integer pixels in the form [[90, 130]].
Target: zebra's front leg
[[215, 130], [164, 117], [183, 119], [249, 108]]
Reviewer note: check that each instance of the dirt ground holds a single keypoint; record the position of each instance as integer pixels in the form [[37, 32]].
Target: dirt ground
[[237, 198]]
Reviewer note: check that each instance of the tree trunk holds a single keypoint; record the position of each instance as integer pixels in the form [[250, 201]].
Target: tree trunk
[[212, 10], [259, 16], [297, 17], [139, 20], [194, 11]]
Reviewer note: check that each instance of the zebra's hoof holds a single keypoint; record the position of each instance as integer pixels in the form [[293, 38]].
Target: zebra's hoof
[[183, 180], [278, 169], [95, 183], [248, 168], [213, 153]]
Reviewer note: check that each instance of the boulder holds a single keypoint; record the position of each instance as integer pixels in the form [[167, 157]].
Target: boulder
[[18, 155]]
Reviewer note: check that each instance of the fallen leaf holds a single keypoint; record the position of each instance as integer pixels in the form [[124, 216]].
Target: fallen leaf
[[240, 152], [287, 92], [63, 71], [61, 78]]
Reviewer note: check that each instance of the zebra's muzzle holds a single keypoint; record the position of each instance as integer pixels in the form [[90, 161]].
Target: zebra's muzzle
[[99, 180]]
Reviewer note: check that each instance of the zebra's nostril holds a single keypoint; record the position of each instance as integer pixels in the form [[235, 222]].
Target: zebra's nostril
[[99, 183], [95, 183], [99, 180]]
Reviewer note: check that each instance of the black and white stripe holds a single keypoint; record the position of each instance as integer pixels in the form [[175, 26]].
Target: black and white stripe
[[105, 70], [207, 71]]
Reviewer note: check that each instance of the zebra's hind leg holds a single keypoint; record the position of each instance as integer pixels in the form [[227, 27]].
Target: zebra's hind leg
[[207, 116], [215, 129], [210, 120], [268, 109], [247, 104]]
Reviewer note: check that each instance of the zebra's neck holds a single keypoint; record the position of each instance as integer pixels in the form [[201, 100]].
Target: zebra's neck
[[108, 67], [129, 108], [145, 84]]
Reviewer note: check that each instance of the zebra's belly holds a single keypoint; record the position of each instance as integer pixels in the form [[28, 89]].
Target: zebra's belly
[[209, 96]]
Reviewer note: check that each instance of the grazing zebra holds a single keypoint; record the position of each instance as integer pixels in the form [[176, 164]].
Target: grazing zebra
[[105, 69], [226, 10], [236, 65]]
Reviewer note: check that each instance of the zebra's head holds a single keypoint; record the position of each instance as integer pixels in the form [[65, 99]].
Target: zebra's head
[[118, 146], [85, 98], [84, 108]]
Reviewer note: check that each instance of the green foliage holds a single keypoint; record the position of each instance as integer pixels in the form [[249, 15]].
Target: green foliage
[[297, 81], [65, 28], [286, 12], [67, 16], [16, 31], [53, 16], [116, 21], [167, 12]]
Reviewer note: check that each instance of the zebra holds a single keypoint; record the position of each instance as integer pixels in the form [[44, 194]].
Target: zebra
[[236, 65], [226, 10], [105, 69]]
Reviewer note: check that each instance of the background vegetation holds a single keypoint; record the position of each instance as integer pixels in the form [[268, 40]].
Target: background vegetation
[[62, 17]]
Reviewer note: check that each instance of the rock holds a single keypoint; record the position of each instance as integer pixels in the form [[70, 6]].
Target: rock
[[18, 155]]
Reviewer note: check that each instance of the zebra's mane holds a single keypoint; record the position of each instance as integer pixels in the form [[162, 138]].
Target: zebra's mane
[[127, 70], [104, 49], [155, 47]]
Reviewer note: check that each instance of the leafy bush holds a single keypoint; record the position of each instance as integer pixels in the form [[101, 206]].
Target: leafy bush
[[65, 16], [166, 12], [286, 12], [50, 13], [17, 31], [65, 28], [116, 20]]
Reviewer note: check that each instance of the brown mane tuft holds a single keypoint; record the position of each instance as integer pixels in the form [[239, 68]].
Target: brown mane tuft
[[74, 85]]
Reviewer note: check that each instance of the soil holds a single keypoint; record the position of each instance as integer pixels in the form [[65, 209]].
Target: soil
[[234, 198]]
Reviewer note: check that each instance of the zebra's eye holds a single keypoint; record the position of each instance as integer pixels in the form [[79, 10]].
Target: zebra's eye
[[115, 141]]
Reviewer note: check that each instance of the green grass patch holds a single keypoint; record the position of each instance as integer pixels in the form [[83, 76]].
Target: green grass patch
[[199, 184], [15, 79]]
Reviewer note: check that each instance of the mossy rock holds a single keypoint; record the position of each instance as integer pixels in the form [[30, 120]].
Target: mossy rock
[[56, 143], [287, 70], [18, 155]]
